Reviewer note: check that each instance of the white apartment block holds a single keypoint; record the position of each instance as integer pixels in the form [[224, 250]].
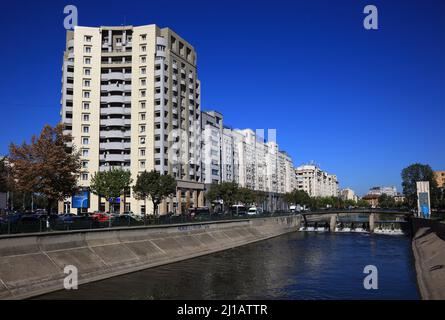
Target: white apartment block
[[255, 164], [131, 99], [316, 182], [378, 191], [348, 194], [212, 137]]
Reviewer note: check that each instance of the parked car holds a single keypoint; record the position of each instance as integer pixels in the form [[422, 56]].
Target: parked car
[[101, 217], [125, 220], [238, 210]]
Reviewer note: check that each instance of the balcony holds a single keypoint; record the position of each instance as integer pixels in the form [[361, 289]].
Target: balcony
[[116, 76], [115, 157], [115, 145], [115, 110], [115, 134], [70, 44], [116, 87], [116, 99], [115, 122]]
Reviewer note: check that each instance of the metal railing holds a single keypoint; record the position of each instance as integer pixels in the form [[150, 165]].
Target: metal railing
[[58, 224]]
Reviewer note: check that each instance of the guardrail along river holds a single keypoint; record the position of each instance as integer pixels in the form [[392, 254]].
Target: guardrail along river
[[300, 265]]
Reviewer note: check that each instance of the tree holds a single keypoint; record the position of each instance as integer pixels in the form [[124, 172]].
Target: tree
[[228, 194], [386, 201], [245, 196], [414, 173], [298, 197], [45, 166], [155, 186], [3, 175], [111, 184]]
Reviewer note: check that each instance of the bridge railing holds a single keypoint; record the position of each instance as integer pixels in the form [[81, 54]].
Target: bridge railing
[[39, 225]]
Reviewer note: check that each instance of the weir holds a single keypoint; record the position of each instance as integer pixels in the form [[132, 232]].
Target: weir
[[33, 264]]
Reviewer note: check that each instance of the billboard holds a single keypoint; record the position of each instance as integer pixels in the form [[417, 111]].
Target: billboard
[[81, 200], [423, 199]]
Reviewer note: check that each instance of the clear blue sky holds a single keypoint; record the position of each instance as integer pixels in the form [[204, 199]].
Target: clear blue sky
[[362, 104]]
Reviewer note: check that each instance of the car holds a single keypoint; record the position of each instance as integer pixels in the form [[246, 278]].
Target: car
[[238, 210], [124, 220], [253, 211], [101, 217]]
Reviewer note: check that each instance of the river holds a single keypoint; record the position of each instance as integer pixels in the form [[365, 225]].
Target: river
[[294, 266]]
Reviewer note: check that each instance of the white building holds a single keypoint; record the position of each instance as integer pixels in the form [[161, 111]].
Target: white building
[[316, 182], [348, 194], [211, 152], [378, 191]]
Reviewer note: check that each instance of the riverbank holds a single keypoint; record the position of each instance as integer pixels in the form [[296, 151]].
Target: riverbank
[[429, 252], [32, 265]]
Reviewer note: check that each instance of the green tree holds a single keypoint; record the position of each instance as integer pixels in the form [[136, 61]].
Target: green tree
[[155, 186], [45, 166], [246, 196], [111, 184], [386, 201], [226, 191], [298, 197], [414, 173]]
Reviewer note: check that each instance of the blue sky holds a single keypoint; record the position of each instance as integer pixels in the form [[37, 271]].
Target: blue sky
[[362, 104]]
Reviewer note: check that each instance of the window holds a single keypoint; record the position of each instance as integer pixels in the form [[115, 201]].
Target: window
[[87, 71], [88, 38], [142, 116], [86, 106], [143, 59], [86, 117], [84, 176], [87, 60], [86, 83], [143, 37], [142, 140], [142, 129], [85, 164], [143, 70], [142, 152], [85, 152], [86, 129], [86, 94], [142, 105], [143, 82], [85, 141], [87, 49], [118, 40], [144, 48], [142, 164], [143, 93]]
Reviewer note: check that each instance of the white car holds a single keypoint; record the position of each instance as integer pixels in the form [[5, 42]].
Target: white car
[[253, 211]]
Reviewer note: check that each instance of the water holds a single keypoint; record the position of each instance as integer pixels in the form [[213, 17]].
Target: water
[[294, 266]]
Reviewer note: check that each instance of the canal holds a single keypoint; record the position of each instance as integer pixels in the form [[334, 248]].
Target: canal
[[300, 265]]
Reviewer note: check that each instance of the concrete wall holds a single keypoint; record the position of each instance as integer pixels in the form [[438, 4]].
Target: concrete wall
[[31, 265], [429, 253]]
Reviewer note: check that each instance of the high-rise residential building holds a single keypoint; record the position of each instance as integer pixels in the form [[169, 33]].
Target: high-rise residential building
[[131, 100], [212, 131], [440, 178], [378, 191], [316, 182]]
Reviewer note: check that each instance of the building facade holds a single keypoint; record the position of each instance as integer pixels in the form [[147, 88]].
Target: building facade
[[348, 194], [378, 191], [316, 182], [440, 178], [131, 100]]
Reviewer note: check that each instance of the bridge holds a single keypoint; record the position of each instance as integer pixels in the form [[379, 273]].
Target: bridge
[[358, 220]]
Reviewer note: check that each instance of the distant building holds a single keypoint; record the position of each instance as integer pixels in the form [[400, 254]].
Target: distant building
[[440, 178], [378, 191], [348, 194], [316, 182], [399, 198], [372, 200]]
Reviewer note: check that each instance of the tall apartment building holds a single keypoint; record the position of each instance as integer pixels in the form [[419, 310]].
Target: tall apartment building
[[212, 131], [378, 191], [348, 194], [316, 182], [131, 100]]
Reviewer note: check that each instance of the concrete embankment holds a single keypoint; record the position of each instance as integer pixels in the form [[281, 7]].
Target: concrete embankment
[[429, 253], [32, 265]]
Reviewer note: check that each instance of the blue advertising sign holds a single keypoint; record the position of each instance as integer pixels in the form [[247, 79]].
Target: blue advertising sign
[[81, 200]]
